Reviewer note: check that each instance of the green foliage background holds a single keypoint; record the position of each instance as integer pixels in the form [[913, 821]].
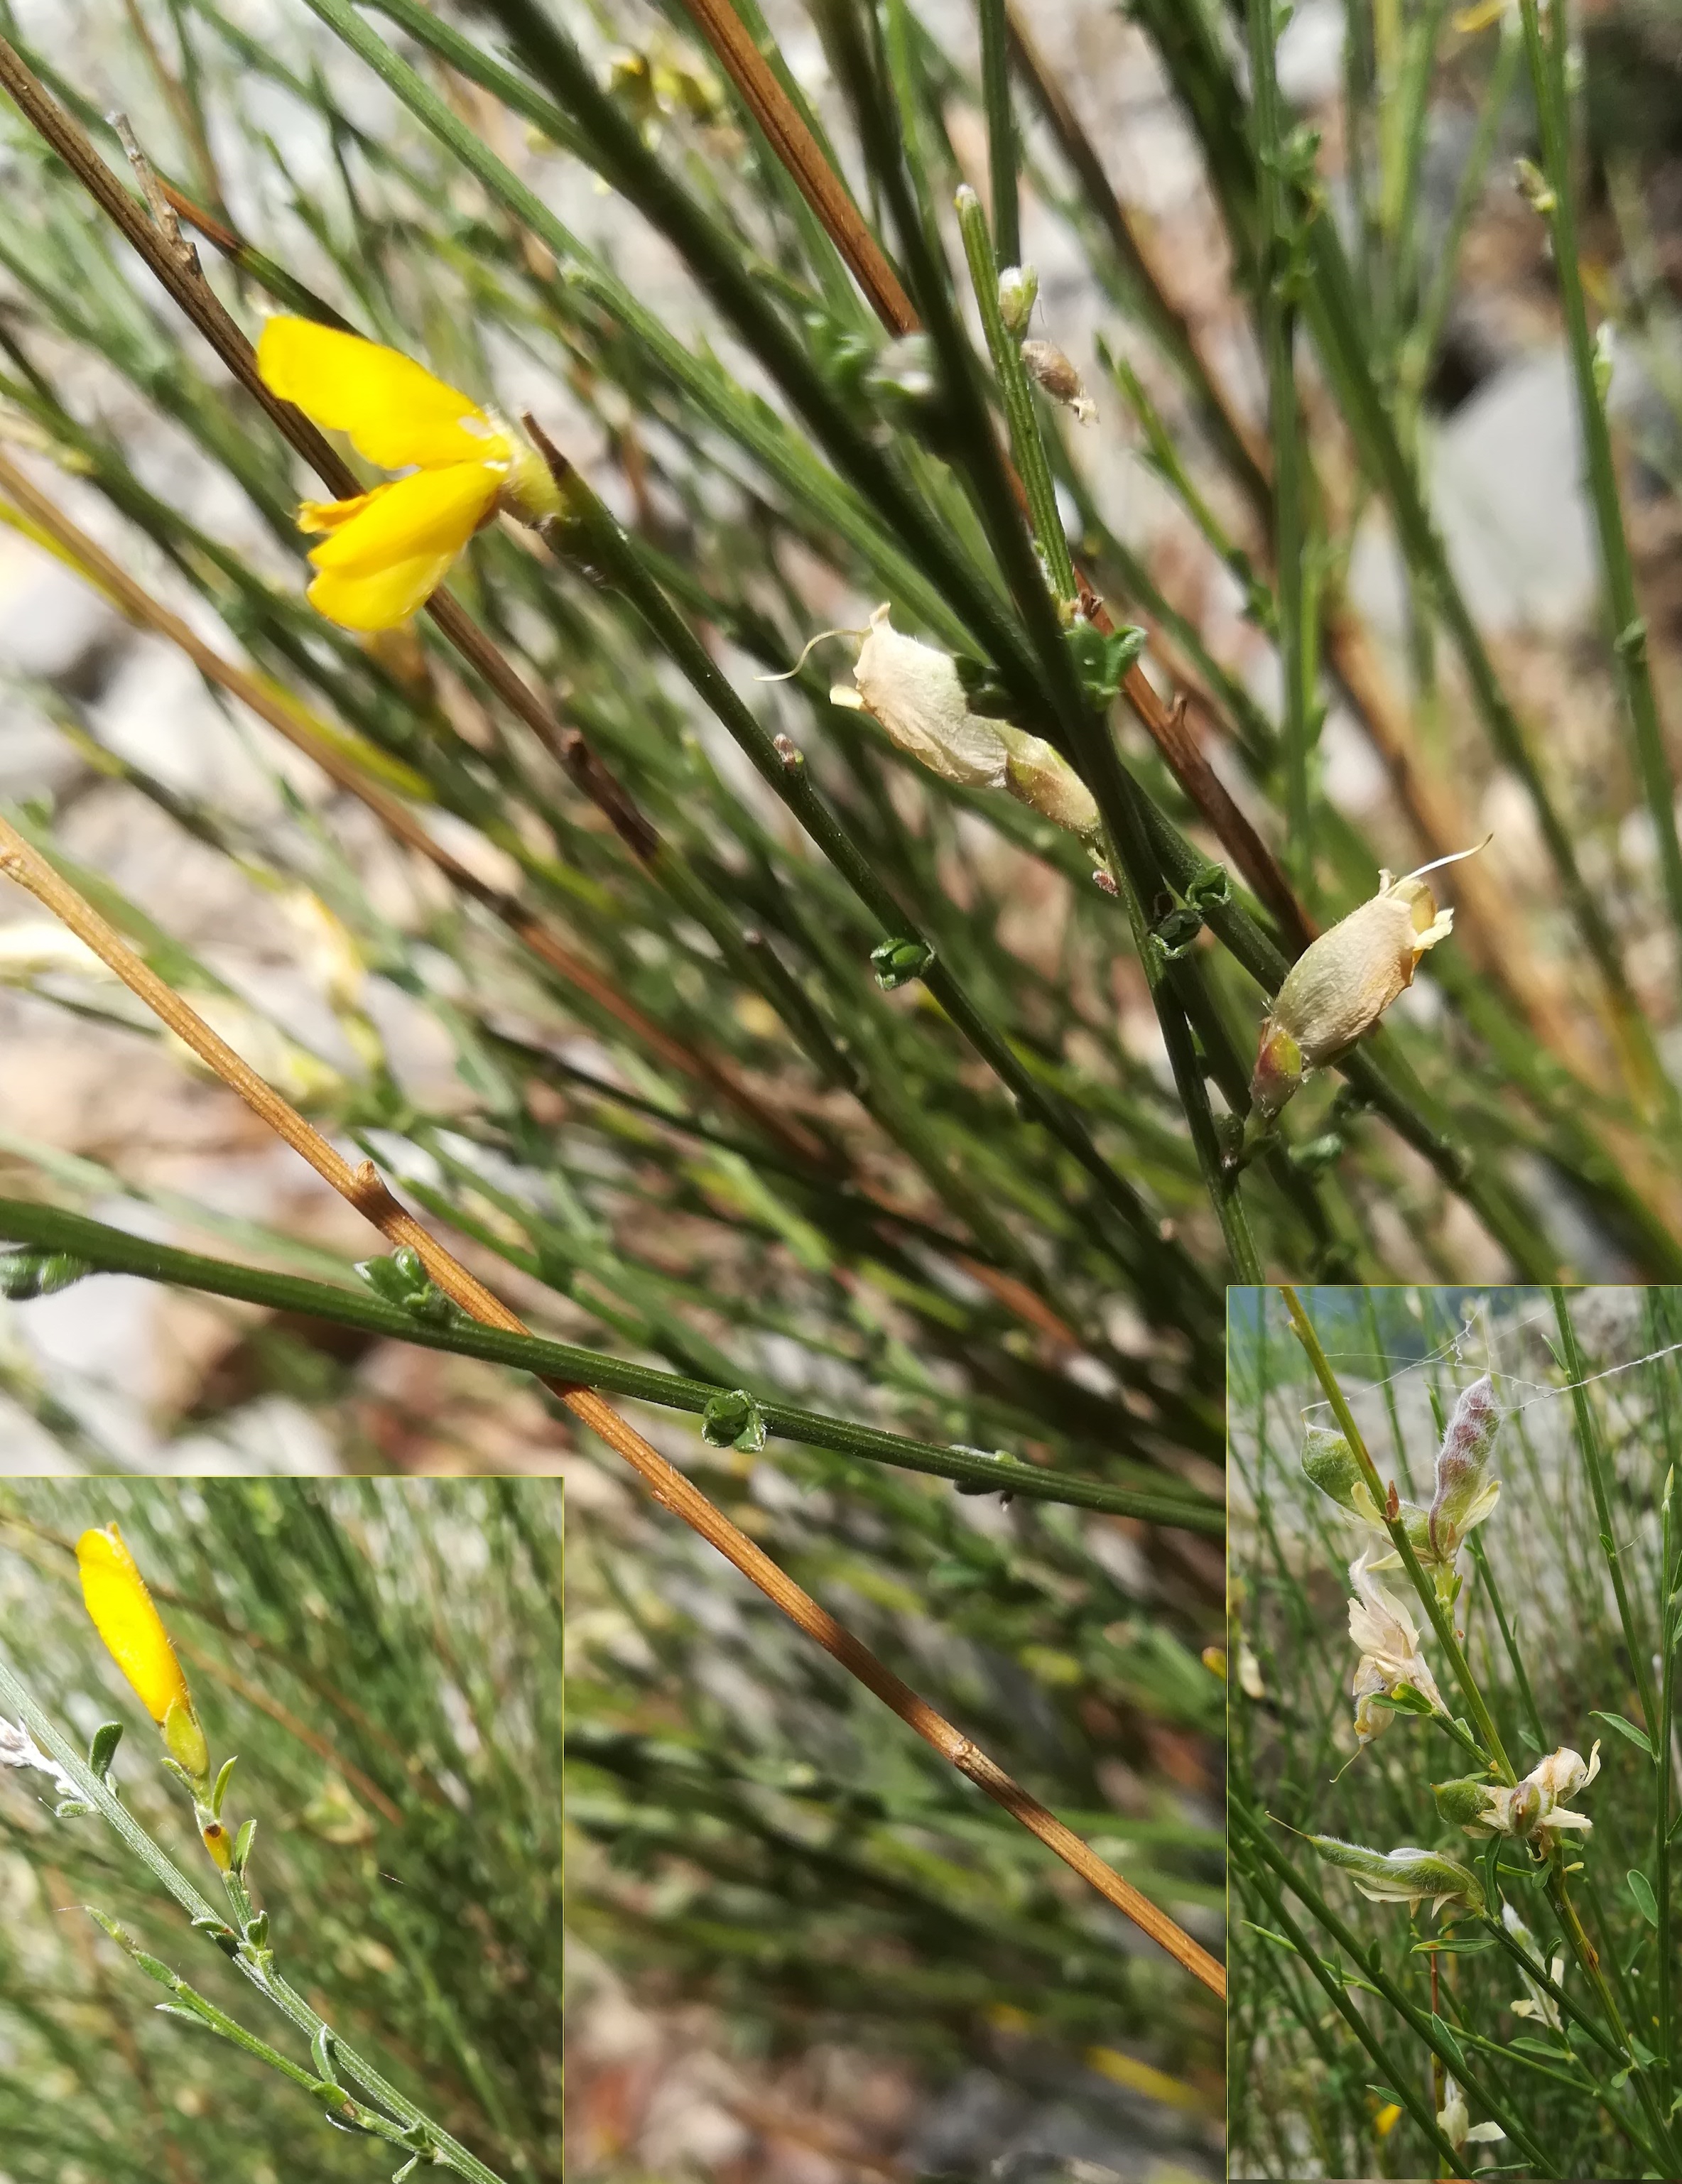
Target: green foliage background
[[1304, 2102]]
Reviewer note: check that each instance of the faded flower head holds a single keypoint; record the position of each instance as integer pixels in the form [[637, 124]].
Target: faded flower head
[[1456, 2126], [1464, 1496], [1391, 1664], [385, 552], [1536, 2001], [1536, 1810], [915, 691], [1405, 1875], [1341, 985]]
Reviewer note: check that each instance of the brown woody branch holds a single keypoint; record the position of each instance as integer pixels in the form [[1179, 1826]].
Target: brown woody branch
[[364, 1188]]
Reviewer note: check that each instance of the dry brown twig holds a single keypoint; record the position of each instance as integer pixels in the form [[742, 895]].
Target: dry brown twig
[[363, 1188]]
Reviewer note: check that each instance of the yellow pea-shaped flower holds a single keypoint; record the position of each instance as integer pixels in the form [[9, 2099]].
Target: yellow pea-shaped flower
[[384, 552], [116, 1598]]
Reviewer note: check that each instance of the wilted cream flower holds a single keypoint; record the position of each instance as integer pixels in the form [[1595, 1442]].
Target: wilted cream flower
[[1536, 2002], [915, 691], [1390, 1659], [1341, 985], [1456, 2126], [1535, 1810]]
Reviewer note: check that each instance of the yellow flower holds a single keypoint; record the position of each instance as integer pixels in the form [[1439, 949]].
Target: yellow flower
[[133, 1632], [385, 552]]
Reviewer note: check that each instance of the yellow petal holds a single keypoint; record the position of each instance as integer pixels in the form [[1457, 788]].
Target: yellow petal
[[393, 408], [431, 512], [315, 516], [123, 1615], [380, 601]]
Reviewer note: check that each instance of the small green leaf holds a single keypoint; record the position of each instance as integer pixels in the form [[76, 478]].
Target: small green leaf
[[1451, 2045], [1404, 1699], [221, 1790], [1624, 1729], [897, 962], [1641, 1889], [103, 1748], [733, 1420]]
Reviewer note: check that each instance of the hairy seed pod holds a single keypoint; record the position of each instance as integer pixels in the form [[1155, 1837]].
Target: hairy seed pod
[[1405, 1875], [1466, 1801]]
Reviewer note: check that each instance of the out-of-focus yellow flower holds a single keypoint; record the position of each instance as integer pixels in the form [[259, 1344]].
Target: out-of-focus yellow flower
[[134, 1635], [385, 552], [1387, 2119]]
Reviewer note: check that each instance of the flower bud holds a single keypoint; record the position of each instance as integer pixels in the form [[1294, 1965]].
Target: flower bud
[[1059, 379], [1018, 287], [1330, 1463], [1041, 778], [1462, 1499], [133, 1631], [1466, 1801], [1341, 985]]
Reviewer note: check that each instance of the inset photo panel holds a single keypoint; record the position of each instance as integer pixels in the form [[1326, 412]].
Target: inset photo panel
[[1456, 1597], [281, 1830]]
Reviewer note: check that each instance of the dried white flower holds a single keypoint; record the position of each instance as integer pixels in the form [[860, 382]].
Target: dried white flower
[[1341, 985], [1536, 2002], [1390, 1659], [915, 691], [1456, 2126]]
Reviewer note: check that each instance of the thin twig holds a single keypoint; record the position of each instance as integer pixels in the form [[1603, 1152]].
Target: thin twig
[[364, 1189], [289, 719], [767, 101], [199, 300]]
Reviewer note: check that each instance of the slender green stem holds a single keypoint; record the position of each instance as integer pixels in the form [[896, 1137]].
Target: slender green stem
[[1515, 1657], [1002, 129], [1278, 277], [1589, 1447], [1395, 2070], [1588, 1956], [16, 1702], [1016, 395], [1419, 348], [1547, 55], [1661, 1825], [114, 1251], [1427, 1591], [1256, 1834]]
